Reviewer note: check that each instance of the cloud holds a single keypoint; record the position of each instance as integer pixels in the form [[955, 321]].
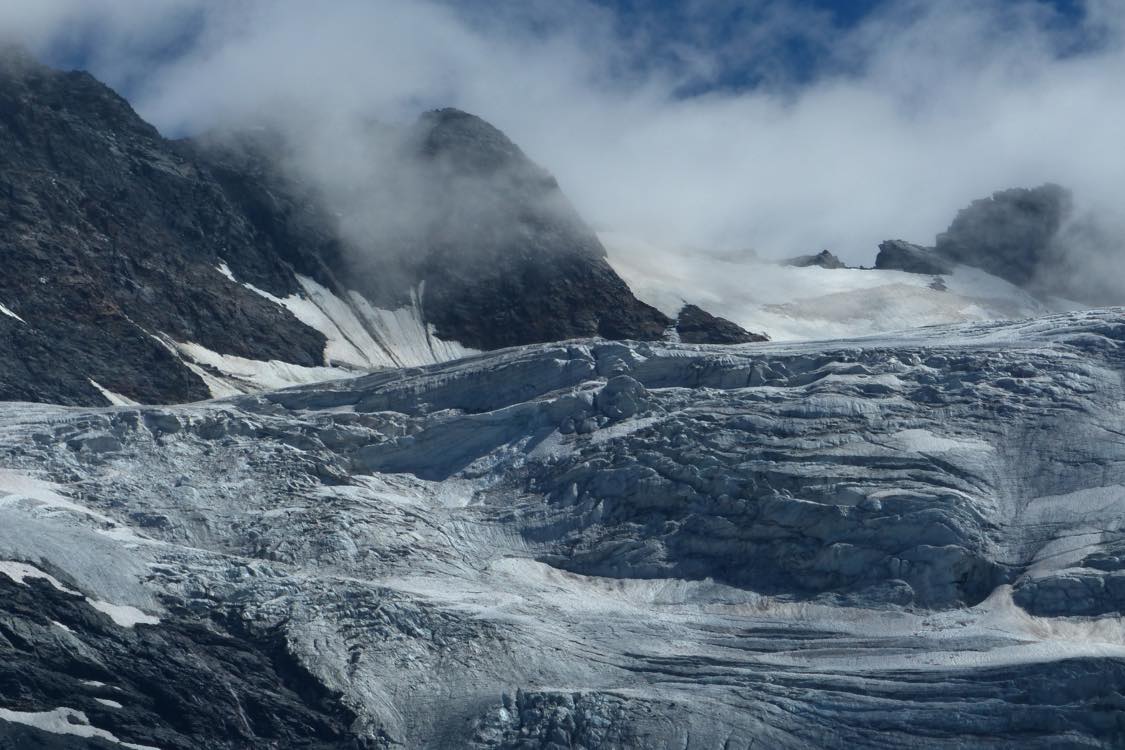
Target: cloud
[[705, 139]]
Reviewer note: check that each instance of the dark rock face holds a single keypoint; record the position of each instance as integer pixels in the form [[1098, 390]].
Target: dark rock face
[[899, 255], [500, 255], [532, 271], [1010, 234], [823, 259], [287, 220], [186, 683], [110, 238], [697, 326], [113, 236]]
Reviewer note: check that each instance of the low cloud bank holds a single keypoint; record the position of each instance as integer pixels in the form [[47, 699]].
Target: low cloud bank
[[908, 115]]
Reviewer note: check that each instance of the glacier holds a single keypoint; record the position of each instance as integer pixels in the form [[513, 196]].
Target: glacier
[[812, 303], [909, 539]]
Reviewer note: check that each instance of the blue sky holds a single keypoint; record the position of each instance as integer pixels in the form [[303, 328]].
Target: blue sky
[[664, 31], [801, 51]]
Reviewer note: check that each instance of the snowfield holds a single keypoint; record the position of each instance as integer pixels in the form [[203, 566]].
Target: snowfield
[[813, 303], [897, 540]]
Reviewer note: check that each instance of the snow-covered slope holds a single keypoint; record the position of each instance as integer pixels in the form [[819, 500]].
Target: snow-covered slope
[[791, 303], [909, 540], [358, 338]]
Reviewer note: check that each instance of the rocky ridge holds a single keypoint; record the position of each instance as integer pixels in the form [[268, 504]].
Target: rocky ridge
[[823, 259], [166, 272]]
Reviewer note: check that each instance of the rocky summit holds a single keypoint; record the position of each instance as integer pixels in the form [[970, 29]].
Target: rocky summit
[[165, 272], [823, 259], [899, 255]]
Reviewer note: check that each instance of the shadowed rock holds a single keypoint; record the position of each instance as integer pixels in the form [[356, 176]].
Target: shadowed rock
[[697, 326], [899, 255], [1009, 234], [114, 239], [823, 259]]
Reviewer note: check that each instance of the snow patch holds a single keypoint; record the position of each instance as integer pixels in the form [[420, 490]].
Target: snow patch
[[216, 386], [66, 721], [224, 269], [19, 572], [242, 375], [361, 335], [115, 399], [358, 337], [124, 615], [404, 335], [11, 314]]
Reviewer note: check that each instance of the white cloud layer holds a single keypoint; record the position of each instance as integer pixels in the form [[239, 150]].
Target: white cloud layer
[[942, 102]]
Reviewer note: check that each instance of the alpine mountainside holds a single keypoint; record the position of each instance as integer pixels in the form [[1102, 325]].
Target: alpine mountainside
[[1030, 237], [136, 268]]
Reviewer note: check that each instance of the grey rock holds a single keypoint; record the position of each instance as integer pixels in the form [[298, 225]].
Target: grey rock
[[695, 325], [823, 259], [899, 255], [1009, 234]]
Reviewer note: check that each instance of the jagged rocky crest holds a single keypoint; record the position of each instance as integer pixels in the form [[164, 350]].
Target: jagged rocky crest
[[1028, 237], [899, 255], [1010, 234], [114, 237], [823, 259]]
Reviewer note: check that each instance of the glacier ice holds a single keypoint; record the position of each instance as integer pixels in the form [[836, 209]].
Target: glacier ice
[[909, 539]]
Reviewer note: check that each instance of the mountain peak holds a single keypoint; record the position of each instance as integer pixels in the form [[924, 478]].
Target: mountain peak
[[473, 146], [1010, 233], [163, 271]]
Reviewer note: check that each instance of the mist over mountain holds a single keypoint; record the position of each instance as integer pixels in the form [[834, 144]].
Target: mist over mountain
[[790, 414], [172, 271], [884, 127]]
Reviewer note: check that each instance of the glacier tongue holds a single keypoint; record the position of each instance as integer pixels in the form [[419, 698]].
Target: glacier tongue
[[875, 542]]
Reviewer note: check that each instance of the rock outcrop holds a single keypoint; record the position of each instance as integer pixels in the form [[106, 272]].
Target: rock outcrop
[[152, 270], [1010, 234], [899, 255], [111, 240], [694, 325], [823, 259], [501, 256]]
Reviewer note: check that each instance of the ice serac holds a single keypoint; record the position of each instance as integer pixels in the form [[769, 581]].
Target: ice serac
[[881, 542]]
